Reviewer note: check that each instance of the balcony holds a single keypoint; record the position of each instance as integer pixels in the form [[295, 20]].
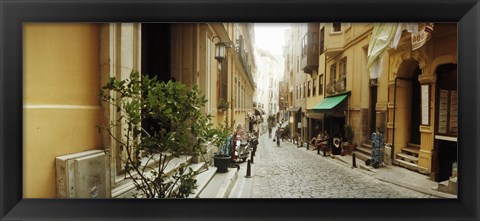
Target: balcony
[[340, 85], [337, 86], [334, 43], [330, 88], [243, 56], [310, 49]]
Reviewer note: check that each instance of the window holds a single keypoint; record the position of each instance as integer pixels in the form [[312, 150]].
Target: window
[[333, 72], [336, 27], [314, 88], [343, 72], [296, 92], [343, 68], [236, 88], [237, 31], [243, 97], [305, 90], [304, 45], [222, 80], [309, 88], [320, 85], [301, 91], [322, 40], [315, 42]]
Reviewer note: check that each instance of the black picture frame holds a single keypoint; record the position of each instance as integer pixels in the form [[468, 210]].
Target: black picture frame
[[14, 13]]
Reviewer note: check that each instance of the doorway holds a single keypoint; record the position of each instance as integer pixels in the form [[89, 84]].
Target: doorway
[[415, 111], [155, 60], [334, 126], [446, 122], [407, 96], [156, 50]]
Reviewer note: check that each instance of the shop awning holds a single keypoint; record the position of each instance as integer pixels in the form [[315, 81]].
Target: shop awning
[[329, 103], [294, 109]]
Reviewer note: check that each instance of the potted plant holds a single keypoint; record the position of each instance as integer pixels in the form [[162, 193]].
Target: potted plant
[[222, 105], [223, 140], [158, 121], [349, 135], [222, 158]]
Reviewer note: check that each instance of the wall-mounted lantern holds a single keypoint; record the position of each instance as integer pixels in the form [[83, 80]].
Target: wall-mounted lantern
[[220, 48]]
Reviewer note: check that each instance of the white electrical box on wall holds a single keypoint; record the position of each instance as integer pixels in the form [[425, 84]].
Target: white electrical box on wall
[[83, 175]]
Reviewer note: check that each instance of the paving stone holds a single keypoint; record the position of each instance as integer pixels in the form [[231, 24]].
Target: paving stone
[[290, 172]]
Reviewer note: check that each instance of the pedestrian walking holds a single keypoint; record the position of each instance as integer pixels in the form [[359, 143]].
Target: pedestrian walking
[[278, 135]]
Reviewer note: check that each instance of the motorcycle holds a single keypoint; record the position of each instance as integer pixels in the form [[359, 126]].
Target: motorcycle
[[242, 149]]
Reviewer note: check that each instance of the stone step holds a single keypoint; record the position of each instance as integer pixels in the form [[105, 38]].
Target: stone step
[[413, 146], [127, 188], [203, 179], [410, 151], [361, 155], [176, 163], [408, 158], [364, 150], [220, 185], [410, 166], [367, 145]]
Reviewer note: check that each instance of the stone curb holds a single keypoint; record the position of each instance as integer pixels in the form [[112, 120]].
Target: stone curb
[[227, 185], [393, 181]]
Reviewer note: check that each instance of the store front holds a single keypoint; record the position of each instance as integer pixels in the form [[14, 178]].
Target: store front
[[445, 145], [333, 109], [295, 119]]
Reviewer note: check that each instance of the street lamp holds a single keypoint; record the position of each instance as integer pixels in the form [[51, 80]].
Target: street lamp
[[220, 48]]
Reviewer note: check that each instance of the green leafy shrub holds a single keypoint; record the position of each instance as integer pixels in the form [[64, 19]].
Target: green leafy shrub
[[157, 119]]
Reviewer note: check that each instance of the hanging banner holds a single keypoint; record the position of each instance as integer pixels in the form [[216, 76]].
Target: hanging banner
[[422, 36], [382, 37]]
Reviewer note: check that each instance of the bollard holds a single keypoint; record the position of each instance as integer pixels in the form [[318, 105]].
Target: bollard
[[354, 163], [251, 157], [248, 169]]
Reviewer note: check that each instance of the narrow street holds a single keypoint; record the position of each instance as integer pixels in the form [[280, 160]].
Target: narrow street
[[291, 172]]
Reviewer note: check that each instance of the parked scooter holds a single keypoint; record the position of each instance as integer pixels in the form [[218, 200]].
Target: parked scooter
[[242, 149]]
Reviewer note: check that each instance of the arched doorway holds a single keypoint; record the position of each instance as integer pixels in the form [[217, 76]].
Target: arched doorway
[[407, 114]]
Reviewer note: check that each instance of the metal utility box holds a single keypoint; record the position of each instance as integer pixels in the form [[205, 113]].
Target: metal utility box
[[83, 175]]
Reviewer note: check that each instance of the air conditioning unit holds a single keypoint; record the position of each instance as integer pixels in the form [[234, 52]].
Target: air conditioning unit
[[83, 175]]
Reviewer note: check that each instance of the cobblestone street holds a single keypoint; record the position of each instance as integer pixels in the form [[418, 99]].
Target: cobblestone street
[[291, 172]]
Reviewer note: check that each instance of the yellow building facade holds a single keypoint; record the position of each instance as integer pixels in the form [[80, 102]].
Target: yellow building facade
[[408, 103], [66, 64]]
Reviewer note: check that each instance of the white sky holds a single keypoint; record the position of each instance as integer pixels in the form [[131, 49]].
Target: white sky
[[270, 36]]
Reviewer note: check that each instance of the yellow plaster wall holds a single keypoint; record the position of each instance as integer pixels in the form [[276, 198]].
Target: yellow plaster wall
[[61, 112]]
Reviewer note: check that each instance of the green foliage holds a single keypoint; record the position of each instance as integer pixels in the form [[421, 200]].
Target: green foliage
[[223, 104], [176, 126], [223, 133]]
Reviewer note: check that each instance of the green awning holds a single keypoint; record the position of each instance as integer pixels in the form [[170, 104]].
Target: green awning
[[329, 102]]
